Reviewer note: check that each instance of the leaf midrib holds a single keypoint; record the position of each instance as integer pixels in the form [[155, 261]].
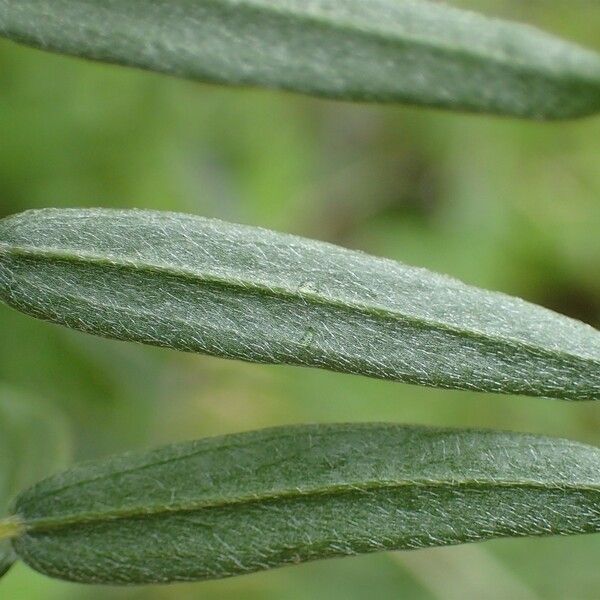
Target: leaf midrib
[[37, 525], [82, 257]]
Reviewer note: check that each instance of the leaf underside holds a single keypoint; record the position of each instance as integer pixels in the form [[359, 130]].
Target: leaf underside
[[407, 51], [202, 285], [246, 502]]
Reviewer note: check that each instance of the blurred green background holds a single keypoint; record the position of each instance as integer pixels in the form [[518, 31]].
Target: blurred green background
[[502, 204]]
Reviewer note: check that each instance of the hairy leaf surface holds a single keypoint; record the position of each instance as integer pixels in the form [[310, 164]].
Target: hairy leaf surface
[[247, 502], [409, 51], [241, 292]]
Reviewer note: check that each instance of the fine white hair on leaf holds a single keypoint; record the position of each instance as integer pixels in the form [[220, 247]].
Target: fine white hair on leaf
[[203, 285]]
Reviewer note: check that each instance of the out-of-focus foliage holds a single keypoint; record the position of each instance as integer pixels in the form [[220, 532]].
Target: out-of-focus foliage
[[34, 443], [503, 204]]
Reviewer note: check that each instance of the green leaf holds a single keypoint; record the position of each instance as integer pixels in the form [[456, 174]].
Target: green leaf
[[247, 502], [408, 51], [34, 442], [234, 291]]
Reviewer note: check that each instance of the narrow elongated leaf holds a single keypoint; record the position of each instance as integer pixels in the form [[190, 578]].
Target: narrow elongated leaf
[[234, 291], [34, 442], [241, 503], [409, 51]]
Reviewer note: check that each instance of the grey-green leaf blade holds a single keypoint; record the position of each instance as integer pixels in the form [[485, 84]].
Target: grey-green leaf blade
[[416, 52], [241, 503], [241, 292]]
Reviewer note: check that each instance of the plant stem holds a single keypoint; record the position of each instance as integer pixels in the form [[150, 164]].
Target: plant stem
[[11, 527]]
